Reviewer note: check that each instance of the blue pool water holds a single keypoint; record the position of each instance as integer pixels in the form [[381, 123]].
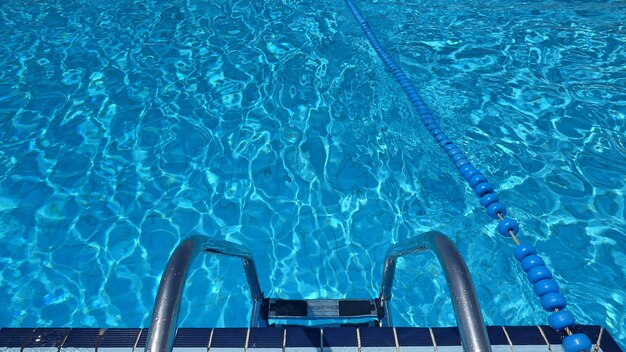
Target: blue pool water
[[128, 125]]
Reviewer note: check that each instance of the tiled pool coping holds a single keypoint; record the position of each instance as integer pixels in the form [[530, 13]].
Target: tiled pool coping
[[291, 339]]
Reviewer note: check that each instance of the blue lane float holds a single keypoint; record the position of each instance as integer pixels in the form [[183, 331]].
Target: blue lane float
[[537, 273]]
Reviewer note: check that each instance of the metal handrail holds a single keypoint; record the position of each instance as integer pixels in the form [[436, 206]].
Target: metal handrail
[[466, 309], [167, 304]]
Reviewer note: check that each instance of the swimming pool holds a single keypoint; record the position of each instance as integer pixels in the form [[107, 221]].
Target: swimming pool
[[128, 125]]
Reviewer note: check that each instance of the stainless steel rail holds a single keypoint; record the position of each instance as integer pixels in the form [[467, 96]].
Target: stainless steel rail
[[167, 305], [466, 309]]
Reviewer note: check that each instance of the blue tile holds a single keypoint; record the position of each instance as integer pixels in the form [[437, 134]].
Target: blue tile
[[497, 336], [87, 338], [116, 349], [143, 338], [306, 349], [119, 338], [530, 335], [460, 349], [266, 338], [40, 349], [378, 349], [141, 342], [340, 337], [229, 338], [377, 337], [607, 343], [77, 349], [299, 339], [47, 338], [447, 336], [14, 337], [414, 337], [303, 337], [554, 338], [192, 337], [592, 331]]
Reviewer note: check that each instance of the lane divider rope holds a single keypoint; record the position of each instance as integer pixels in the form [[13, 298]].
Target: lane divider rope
[[546, 288]]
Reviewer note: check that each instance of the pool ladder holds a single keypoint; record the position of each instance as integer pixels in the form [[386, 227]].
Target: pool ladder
[[466, 309]]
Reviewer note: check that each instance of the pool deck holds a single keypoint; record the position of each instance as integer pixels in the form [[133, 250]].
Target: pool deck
[[292, 339]]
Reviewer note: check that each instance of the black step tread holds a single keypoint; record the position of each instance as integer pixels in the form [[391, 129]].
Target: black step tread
[[322, 308]]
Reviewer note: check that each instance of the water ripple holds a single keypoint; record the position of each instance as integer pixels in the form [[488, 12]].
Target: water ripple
[[128, 125]]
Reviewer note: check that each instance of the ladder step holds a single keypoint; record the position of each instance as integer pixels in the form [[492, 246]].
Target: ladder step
[[324, 308]]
